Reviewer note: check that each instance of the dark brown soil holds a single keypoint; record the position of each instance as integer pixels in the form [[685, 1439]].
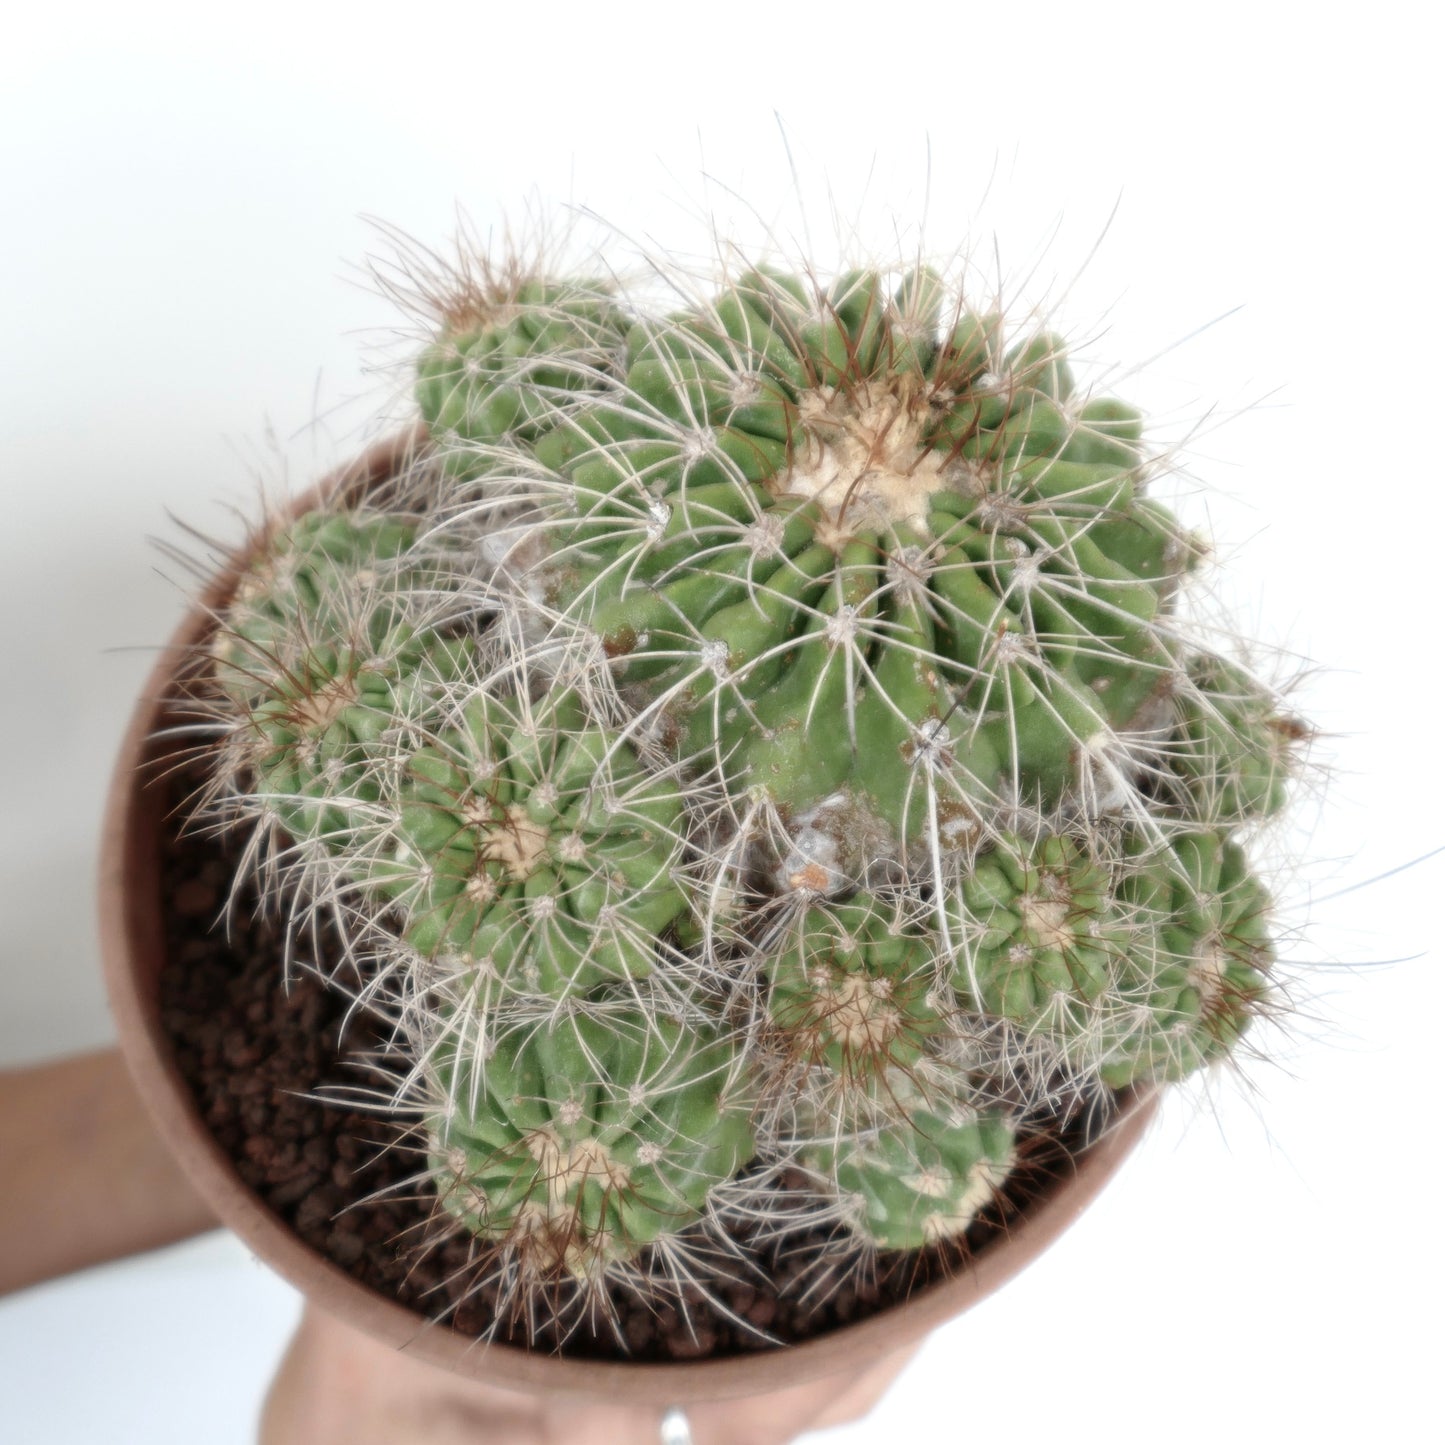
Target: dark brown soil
[[256, 1051]]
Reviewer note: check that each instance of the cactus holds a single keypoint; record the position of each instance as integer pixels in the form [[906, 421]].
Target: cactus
[[1048, 935], [509, 348], [586, 1139], [768, 737], [540, 845], [1192, 985], [851, 991], [801, 505], [923, 1180]]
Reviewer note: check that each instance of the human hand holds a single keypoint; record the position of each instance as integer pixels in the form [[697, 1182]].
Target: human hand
[[64, 1125], [336, 1386]]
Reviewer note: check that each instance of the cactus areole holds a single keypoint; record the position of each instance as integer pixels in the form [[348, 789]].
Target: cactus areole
[[760, 743]]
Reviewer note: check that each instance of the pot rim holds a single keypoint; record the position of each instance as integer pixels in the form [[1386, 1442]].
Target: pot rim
[[131, 933]]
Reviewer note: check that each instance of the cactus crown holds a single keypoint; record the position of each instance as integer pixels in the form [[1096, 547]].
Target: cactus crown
[[764, 738]]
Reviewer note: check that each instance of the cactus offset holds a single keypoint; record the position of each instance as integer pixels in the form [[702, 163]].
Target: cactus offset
[[581, 1141], [537, 843], [924, 1179], [510, 348]]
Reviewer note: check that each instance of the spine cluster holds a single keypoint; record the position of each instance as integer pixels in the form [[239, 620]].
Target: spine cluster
[[759, 740]]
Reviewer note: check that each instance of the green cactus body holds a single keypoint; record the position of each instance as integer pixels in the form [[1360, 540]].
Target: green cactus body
[[1194, 986], [1039, 936], [323, 577], [1232, 744], [584, 1140], [801, 508], [323, 740], [922, 1181], [851, 991], [506, 361], [539, 846]]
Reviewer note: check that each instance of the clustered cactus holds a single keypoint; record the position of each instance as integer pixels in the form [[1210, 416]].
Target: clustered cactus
[[759, 739]]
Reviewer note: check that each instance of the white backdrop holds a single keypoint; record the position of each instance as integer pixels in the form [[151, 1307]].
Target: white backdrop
[[1239, 196]]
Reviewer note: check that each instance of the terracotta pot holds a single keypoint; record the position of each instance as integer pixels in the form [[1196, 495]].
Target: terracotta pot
[[132, 911]]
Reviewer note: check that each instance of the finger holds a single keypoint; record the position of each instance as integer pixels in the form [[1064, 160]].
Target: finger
[[782, 1415], [337, 1386], [865, 1391]]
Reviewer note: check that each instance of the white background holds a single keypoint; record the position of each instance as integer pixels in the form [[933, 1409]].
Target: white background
[[184, 310]]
